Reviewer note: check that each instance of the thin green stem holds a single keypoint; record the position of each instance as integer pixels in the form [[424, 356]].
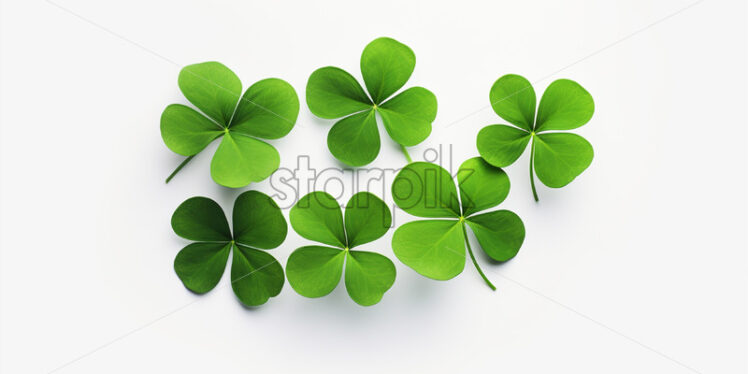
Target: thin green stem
[[186, 160], [407, 155], [472, 257], [532, 172]]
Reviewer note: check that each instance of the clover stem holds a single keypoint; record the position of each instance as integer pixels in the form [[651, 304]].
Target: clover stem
[[532, 173], [186, 160], [407, 155], [472, 257]]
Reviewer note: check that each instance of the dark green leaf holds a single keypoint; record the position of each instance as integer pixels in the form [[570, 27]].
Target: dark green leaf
[[333, 93], [482, 186], [367, 218], [386, 65], [561, 157], [267, 110], [213, 88], [201, 265], [241, 160], [368, 276], [317, 217], [500, 233], [426, 190], [315, 271], [513, 99], [407, 117], [354, 140], [501, 145], [258, 222], [185, 131], [433, 248], [256, 276], [201, 219], [565, 105]]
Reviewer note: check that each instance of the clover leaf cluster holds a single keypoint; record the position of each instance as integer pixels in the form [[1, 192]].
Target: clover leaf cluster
[[434, 246], [386, 66], [557, 157]]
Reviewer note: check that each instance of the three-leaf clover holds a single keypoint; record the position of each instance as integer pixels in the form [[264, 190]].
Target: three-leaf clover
[[314, 271], [435, 248], [386, 66], [268, 110], [258, 224], [557, 157]]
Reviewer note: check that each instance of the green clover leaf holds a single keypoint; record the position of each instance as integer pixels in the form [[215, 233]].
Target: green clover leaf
[[267, 110], [386, 66], [557, 157], [314, 271], [435, 248], [256, 276]]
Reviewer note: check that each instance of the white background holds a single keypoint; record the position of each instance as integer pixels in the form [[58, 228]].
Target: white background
[[639, 265]]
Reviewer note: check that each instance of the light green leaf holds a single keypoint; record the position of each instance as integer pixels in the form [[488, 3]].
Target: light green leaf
[[258, 222], [386, 65], [426, 190], [256, 276], [314, 271], [433, 248], [317, 217], [213, 88], [354, 140], [565, 105], [561, 157], [482, 186], [513, 99], [201, 219], [407, 117], [241, 160], [367, 218], [501, 145], [556, 158], [333, 93], [368, 276], [185, 131], [500, 233], [201, 265], [267, 110]]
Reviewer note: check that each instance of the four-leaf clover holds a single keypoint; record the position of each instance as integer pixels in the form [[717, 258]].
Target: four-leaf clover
[[258, 224], [314, 271], [557, 157], [435, 248], [268, 110], [386, 66]]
